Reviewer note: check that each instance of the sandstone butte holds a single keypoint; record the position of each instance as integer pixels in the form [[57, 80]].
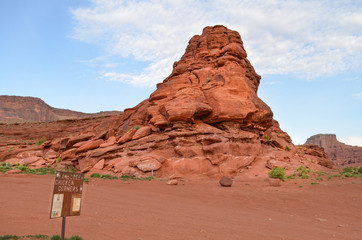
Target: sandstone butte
[[340, 153], [205, 120], [16, 109]]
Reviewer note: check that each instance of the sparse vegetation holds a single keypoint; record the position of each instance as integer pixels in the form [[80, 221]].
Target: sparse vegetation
[[41, 141], [278, 172], [267, 138], [98, 175], [69, 169], [123, 177], [38, 236], [287, 148], [128, 177], [303, 172], [4, 167], [137, 127], [351, 172]]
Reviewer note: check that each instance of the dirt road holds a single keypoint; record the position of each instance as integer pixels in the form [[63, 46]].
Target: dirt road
[[194, 209]]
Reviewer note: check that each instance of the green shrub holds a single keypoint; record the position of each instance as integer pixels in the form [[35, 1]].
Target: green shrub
[[360, 170], [149, 178], [287, 148], [4, 167], [71, 169], [137, 127], [277, 172], [266, 138], [76, 237], [38, 236], [41, 141], [126, 177], [22, 167], [291, 176], [9, 237], [352, 170], [95, 175], [303, 172], [55, 237], [108, 176]]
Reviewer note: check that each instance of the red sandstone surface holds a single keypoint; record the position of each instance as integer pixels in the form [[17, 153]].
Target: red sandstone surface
[[16, 109], [204, 121], [195, 209]]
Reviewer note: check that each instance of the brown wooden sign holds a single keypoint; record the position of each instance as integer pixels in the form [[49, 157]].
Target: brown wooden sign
[[67, 194]]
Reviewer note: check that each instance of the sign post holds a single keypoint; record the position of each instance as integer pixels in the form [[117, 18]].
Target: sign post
[[67, 196]]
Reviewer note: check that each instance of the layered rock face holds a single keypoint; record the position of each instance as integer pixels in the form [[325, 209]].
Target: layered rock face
[[204, 120], [340, 153], [16, 109]]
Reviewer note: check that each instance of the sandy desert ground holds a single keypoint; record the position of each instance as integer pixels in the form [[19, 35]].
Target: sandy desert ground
[[194, 209]]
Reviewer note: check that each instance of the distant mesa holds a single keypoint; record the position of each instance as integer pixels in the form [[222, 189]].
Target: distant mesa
[[16, 109], [342, 154], [205, 120]]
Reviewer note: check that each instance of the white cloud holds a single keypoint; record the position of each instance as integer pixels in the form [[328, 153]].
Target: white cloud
[[358, 95], [354, 141], [305, 38]]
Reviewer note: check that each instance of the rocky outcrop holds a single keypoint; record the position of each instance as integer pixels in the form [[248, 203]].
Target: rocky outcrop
[[205, 120], [16, 109], [340, 153]]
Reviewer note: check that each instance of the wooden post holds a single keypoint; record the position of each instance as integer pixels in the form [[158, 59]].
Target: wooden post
[[63, 228]]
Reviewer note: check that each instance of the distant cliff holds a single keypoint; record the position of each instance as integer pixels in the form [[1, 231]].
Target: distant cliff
[[338, 152], [16, 109]]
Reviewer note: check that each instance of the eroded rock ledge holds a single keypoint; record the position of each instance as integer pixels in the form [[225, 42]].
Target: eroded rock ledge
[[204, 120]]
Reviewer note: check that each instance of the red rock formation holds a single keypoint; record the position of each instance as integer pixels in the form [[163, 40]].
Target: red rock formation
[[204, 120], [340, 153], [15, 109]]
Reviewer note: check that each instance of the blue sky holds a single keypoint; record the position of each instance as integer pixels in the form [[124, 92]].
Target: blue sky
[[103, 55]]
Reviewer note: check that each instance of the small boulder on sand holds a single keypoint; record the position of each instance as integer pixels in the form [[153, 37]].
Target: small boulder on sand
[[226, 182]]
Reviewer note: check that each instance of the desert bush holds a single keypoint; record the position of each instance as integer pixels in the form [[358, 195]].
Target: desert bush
[[352, 170], [9, 237], [4, 167], [95, 175], [277, 172], [41, 141], [106, 176], [303, 172], [76, 237]]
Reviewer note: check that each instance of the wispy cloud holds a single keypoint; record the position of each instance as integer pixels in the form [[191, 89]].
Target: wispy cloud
[[354, 141], [358, 95], [305, 38]]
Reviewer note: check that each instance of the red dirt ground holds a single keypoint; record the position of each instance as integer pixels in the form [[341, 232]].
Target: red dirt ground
[[194, 209]]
